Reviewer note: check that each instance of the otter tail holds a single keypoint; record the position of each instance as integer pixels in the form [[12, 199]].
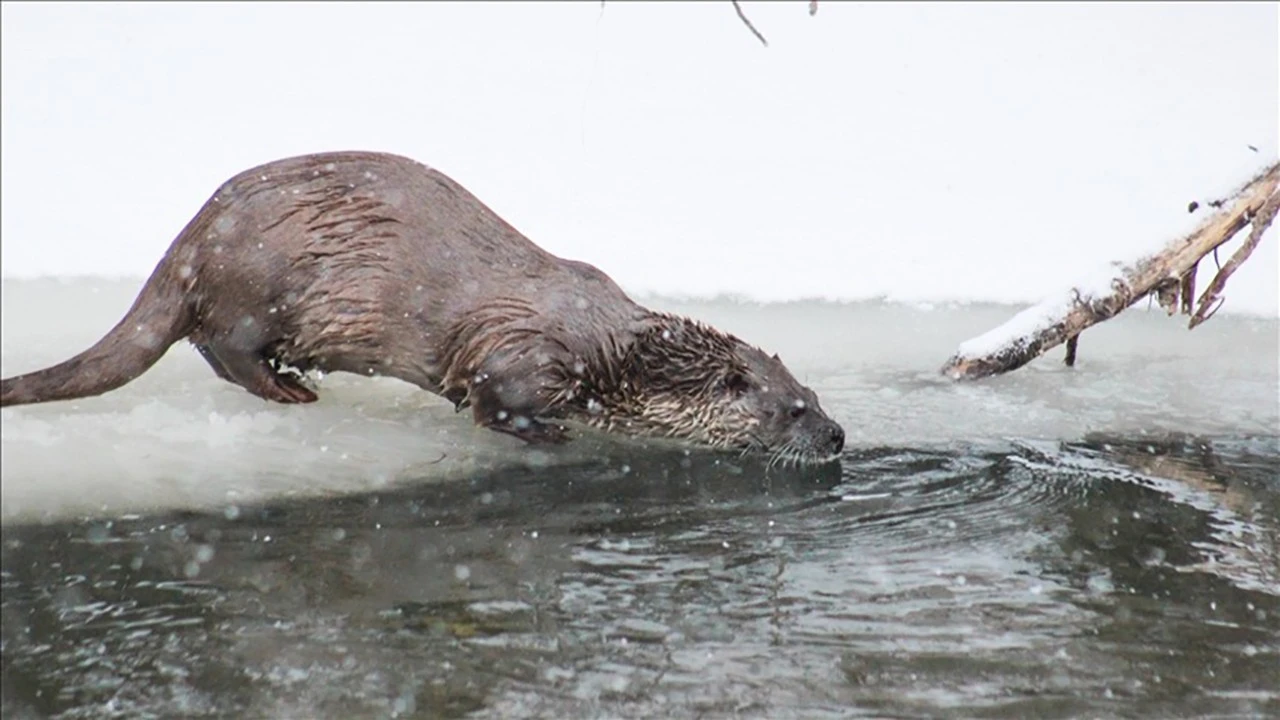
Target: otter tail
[[160, 316]]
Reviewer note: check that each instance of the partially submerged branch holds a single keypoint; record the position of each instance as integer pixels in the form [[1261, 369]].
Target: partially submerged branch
[[1072, 344], [1169, 275]]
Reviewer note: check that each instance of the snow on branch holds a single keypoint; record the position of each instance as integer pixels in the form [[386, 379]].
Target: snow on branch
[[1169, 275]]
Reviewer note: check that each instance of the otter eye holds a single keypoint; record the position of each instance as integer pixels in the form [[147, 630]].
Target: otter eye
[[736, 383], [797, 408]]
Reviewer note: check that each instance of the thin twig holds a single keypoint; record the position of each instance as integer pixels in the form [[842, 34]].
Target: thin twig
[[743, 17]]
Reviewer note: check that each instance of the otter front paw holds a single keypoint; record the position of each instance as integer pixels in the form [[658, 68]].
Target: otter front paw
[[543, 433], [530, 430], [513, 402]]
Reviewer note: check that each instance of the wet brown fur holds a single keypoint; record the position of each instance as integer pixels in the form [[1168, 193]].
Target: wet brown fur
[[375, 264]]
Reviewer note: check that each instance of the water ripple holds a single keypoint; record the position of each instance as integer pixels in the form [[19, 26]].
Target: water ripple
[[1108, 576]]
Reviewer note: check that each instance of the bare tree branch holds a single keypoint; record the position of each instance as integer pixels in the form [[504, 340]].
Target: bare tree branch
[[813, 10], [1168, 275]]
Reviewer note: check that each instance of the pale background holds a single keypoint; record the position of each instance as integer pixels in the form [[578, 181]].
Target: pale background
[[914, 152]]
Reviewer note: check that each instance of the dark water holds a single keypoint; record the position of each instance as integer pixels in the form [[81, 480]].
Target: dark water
[[1109, 577]]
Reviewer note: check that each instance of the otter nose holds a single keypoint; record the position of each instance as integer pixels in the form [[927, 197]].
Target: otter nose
[[835, 436]]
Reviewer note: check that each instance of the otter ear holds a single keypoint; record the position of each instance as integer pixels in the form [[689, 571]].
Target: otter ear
[[736, 383], [775, 357]]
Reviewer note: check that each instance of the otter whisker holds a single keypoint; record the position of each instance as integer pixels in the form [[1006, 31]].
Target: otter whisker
[[753, 443], [777, 457]]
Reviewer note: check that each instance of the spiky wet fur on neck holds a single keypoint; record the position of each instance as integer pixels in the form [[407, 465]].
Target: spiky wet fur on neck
[[668, 380]]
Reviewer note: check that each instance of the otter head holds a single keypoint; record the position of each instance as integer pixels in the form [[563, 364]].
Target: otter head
[[685, 380]]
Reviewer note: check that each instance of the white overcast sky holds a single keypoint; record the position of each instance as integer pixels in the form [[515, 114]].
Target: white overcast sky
[[915, 151]]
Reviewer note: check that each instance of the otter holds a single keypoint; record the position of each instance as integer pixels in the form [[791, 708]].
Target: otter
[[375, 264]]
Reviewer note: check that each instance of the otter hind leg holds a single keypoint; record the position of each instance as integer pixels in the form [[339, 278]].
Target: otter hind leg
[[253, 371]]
